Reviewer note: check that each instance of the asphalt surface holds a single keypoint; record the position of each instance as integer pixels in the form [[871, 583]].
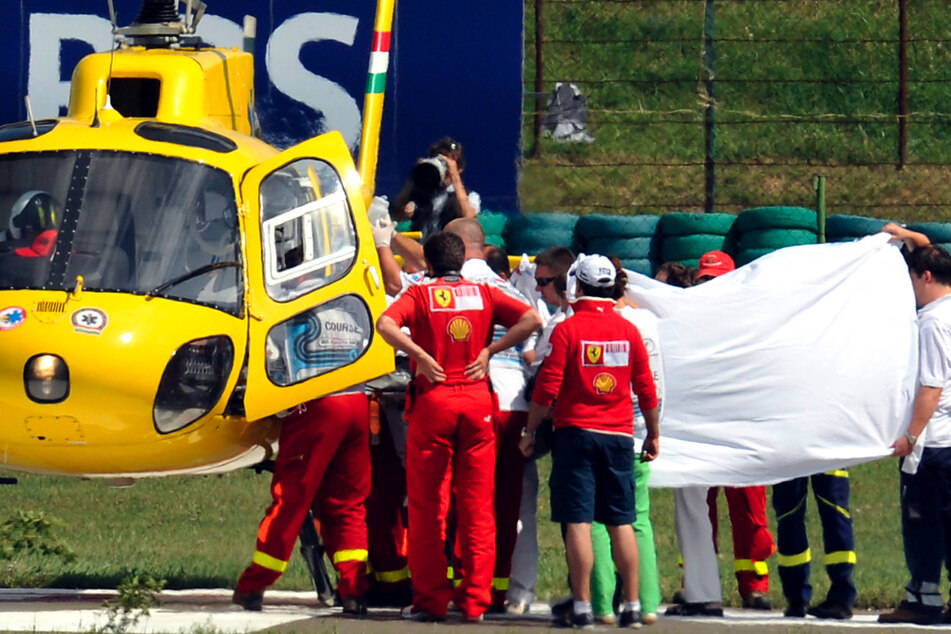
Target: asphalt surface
[[187, 611]]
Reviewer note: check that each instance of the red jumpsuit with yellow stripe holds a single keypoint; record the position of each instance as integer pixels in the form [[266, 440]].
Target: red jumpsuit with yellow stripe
[[451, 445], [323, 462]]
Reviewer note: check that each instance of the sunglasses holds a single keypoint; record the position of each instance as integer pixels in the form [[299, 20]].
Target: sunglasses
[[544, 281]]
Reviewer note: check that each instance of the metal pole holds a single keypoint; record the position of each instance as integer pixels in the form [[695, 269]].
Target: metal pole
[[820, 184], [709, 116], [539, 76], [902, 84], [373, 96]]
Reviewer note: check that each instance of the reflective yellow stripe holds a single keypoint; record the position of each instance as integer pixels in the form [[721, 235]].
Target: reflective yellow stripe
[[748, 565], [500, 583], [354, 554], [839, 473], [392, 576], [795, 508], [450, 573], [840, 557], [838, 508], [271, 563], [795, 560]]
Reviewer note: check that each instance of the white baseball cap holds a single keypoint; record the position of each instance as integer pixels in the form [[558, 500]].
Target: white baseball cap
[[596, 270]]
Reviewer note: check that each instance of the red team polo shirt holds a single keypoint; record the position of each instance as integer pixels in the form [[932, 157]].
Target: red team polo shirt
[[452, 319], [596, 356]]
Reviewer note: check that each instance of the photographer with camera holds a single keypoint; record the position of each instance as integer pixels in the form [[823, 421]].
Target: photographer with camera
[[434, 194]]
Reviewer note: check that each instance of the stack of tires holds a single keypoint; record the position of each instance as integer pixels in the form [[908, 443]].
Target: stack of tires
[[845, 228], [684, 237], [938, 232], [629, 238], [534, 232], [493, 224], [765, 229]]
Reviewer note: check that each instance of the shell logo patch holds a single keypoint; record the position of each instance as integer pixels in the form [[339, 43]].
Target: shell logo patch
[[604, 383], [593, 353], [459, 329], [12, 317], [90, 321]]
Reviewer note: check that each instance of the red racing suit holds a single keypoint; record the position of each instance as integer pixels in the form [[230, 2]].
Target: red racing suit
[[323, 462], [451, 445], [752, 541]]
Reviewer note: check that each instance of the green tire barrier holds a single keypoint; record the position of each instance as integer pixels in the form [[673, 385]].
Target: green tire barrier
[[686, 224], [776, 218], [623, 248], [492, 223], [639, 265], [775, 238], [680, 248], [532, 233], [604, 225], [937, 232], [496, 240], [403, 225], [747, 256], [843, 228]]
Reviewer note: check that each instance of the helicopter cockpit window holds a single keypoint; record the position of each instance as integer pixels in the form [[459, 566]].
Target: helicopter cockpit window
[[308, 233], [31, 212], [123, 222]]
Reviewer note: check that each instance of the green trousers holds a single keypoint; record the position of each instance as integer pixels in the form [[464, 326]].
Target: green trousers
[[603, 579]]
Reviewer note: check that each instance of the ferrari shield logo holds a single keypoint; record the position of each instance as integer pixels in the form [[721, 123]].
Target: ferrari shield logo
[[593, 353], [443, 297]]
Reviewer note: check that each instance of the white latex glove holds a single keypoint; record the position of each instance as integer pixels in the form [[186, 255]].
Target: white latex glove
[[380, 222]]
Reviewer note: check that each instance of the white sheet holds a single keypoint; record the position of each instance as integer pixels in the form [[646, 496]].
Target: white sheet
[[800, 362]]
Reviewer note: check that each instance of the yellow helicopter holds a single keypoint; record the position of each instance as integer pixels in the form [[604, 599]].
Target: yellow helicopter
[[168, 281]]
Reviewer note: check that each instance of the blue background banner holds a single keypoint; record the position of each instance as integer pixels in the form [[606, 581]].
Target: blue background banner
[[455, 69]]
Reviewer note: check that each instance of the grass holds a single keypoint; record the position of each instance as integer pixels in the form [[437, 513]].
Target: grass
[[803, 87], [197, 532]]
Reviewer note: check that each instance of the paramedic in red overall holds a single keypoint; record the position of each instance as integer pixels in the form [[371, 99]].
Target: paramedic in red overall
[[451, 439]]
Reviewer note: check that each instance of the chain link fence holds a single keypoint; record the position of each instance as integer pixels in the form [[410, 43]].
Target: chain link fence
[[725, 105]]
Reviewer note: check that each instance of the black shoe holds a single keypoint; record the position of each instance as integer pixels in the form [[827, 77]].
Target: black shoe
[[711, 608], [829, 609], [630, 618], [796, 610], [354, 605], [561, 612], [679, 598], [251, 601], [907, 613], [583, 621], [757, 601]]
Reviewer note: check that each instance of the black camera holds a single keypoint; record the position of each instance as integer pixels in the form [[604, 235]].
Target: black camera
[[429, 173]]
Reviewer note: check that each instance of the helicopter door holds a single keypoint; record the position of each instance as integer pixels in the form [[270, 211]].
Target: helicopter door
[[314, 285]]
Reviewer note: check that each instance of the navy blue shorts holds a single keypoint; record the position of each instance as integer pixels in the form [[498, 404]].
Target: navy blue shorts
[[592, 477]]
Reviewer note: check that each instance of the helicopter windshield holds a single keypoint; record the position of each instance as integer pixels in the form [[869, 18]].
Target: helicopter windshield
[[133, 223]]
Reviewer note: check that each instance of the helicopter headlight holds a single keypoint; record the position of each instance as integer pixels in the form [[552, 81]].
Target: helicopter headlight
[[46, 378], [192, 383]]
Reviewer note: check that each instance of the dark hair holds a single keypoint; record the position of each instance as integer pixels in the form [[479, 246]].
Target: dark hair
[[559, 260], [588, 290], [931, 258], [449, 147], [497, 260], [445, 252], [676, 274], [620, 278]]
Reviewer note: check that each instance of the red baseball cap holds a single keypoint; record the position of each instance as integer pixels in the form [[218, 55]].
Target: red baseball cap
[[42, 246], [714, 264]]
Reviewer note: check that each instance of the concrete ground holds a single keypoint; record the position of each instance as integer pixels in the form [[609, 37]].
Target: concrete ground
[[211, 611]]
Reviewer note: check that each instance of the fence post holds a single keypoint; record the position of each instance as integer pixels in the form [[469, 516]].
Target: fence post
[[820, 184], [902, 84], [539, 76], [710, 133]]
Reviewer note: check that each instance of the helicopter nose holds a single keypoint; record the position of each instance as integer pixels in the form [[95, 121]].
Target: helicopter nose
[[46, 378]]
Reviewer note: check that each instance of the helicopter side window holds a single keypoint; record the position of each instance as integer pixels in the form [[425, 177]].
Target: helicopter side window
[[307, 229], [32, 191]]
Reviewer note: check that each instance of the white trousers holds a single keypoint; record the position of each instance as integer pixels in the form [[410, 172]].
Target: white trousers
[[695, 537], [525, 559]]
